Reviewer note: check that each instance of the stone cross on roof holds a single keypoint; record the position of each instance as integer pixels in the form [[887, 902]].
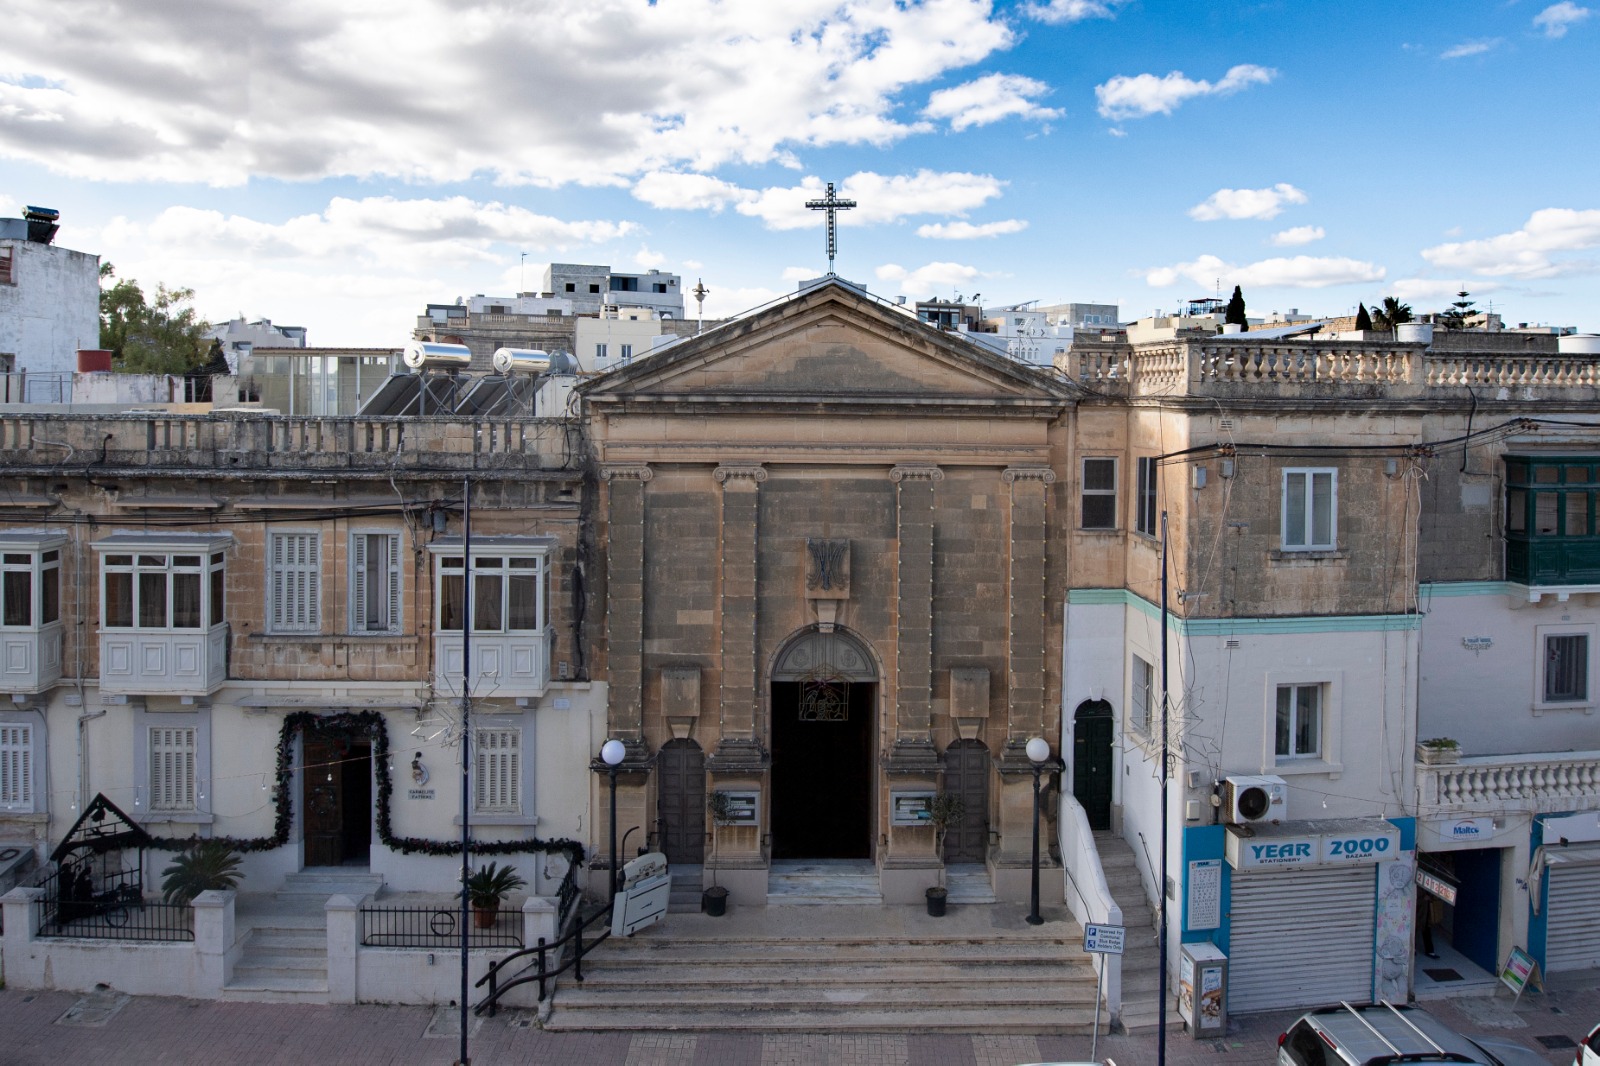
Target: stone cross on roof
[[831, 205]]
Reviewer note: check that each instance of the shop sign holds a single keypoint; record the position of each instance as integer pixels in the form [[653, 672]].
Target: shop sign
[[1436, 885], [1520, 971], [1469, 829], [1313, 849]]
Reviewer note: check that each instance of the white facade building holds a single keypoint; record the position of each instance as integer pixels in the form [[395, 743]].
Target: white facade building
[[49, 299]]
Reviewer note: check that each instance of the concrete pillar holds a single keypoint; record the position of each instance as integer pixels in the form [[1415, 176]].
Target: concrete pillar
[[539, 917], [213, 941], [344, 946], [18, 966]]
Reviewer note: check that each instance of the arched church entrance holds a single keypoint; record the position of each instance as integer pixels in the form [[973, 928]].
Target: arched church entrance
[[1092, 733], [824, 705]]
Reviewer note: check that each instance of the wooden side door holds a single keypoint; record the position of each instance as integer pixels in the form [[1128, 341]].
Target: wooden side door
[[966, 774], [322, 794], [1092, 734], [681, 801]]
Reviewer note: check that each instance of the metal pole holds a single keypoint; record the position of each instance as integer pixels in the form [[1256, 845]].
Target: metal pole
[[1161, 889], [1033, 915], [466, 746], [1099, 984], [612, 773]]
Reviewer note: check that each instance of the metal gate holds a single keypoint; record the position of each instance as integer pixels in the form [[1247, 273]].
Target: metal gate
[[1572, 936], [1300, 938], [681, 801], [966, 774]]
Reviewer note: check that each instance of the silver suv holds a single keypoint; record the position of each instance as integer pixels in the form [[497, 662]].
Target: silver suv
[[1378, 1034]]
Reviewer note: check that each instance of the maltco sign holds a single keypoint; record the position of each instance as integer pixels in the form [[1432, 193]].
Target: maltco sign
[[1285, 847]]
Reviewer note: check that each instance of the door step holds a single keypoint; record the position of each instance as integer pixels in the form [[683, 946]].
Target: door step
[[818, 882]]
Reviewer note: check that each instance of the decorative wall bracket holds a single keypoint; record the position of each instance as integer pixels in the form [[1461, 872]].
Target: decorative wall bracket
[[827, 578]]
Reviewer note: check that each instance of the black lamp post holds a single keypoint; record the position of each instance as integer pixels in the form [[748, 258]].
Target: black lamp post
[[612, 753], [1038, 753]]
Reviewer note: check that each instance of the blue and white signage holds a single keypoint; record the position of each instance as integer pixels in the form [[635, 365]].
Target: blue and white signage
[[1319, 844], [1468, 829]]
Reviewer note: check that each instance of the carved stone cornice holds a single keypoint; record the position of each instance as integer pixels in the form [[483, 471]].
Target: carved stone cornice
[[724, 474], [629, 472], [1012, 474], [915, 473]]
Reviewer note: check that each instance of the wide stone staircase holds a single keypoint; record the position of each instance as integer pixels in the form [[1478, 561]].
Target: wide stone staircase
[[864, 968], [1141, 971], [285, 955]]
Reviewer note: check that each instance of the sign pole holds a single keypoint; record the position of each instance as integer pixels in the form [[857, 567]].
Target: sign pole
[[1099, 984]]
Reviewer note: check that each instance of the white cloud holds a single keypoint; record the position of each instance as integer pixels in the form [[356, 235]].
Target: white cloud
[[879, 198], [1556, 19], [687, 192], [990, 99], [1527, 252], [1298, 235], [1428, 292], [1300, 272], [966, 231], [1126, 97], [1247, 203], [1059, 12], [928, 281], [401, 88], [1470, 48]]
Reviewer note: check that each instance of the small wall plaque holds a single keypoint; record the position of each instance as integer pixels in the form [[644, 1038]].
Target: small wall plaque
[[419, 793], [911, 808]]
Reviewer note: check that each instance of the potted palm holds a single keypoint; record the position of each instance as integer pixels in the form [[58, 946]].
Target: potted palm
[[946, 810], [1438, 751], [487, 888], [714, 900], [208, 865]]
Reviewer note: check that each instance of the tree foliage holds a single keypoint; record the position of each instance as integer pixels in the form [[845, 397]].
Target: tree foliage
[[1234, 316], [1391, 314], [163, 335], [1363, 319], [1462, 309]]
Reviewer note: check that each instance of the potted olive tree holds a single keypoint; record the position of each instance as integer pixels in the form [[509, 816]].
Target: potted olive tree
[[946, 810], [487, 888], [714, 900], [1438, 751]]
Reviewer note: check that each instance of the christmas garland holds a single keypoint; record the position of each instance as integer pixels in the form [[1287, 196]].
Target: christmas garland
[[373, 724]]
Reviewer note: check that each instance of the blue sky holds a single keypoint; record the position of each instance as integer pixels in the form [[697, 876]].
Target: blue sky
[[337, 164]]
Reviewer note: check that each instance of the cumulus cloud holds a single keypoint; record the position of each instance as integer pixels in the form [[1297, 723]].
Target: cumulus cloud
[[1528, 252], [880, 198], [1247, 203], [966, 231], [1059, 12], [1299, 272], [399, 89], [1555, 20], [990, 99], [1125, 97], [688, 192], [1298, 235], [932, 279], [1470, 48]]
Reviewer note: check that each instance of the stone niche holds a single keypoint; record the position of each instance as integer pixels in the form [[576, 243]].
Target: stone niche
[[969, 700], [680, 699]]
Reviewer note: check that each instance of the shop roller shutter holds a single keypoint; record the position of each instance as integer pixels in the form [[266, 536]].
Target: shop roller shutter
[[1572, 940], [1300, 938]]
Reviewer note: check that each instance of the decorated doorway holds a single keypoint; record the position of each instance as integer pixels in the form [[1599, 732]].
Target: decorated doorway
[[337, 796]]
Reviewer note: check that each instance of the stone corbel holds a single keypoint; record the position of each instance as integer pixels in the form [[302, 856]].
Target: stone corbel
[[739, 476], [827, 579], [1013, 474], [626, 472]]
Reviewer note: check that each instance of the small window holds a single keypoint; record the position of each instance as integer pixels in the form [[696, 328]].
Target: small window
[[375, 583], [659, 287], [8, 274], [1310, 510], [16, 766], [594, 288], [600, 351], [497, 778], [1141, 691], [1566, 668], [627, 351], [508, 593], [172, 768], [1145, 519], [1299, 728], [1099, 496], [571, 287], [295, 582], [161, 591]]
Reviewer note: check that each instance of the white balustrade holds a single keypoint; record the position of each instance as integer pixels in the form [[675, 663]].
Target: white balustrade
[[1537, 783]]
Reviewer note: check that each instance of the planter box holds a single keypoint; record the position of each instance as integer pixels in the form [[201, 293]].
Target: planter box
[[1438, 756]]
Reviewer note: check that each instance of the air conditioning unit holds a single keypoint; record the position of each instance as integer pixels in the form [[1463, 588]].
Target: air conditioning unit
[[1248, 800]]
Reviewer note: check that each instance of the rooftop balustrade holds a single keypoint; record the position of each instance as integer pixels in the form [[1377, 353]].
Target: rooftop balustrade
[[1540, 784]]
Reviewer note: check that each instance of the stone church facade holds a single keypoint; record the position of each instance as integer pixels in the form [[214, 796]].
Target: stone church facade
[[831, 545]]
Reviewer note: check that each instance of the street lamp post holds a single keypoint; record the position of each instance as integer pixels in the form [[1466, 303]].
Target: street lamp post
[[1038, 753], [612, 753]]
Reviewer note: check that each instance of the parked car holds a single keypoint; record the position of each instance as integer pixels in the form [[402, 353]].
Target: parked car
[[1589, 1052], [1376, 1034]]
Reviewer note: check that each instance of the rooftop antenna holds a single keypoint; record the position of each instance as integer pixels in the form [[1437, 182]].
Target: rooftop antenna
[[832, 205], [522, 278], [700, 292]]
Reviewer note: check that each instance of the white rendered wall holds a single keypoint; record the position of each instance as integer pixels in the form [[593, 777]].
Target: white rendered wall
[[52, 310]]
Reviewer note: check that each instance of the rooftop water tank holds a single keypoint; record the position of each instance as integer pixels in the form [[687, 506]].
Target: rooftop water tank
[[1414, 332], [429, 355], [1579, 344], [520, 361]]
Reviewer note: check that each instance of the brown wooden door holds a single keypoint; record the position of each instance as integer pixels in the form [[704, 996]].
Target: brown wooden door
[[966, 774], [324, 789], [681, 801]]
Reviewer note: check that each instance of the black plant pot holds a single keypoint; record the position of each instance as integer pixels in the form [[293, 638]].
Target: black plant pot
[[714, 901], [936, 901]]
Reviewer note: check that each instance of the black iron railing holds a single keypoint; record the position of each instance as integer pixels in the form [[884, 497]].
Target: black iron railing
[[541, 957], [112, 909], [438, 928]]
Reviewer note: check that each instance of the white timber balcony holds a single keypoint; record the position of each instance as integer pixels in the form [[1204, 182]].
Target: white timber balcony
[[162, 627], [503, 664], [1539, 784], [30, 611], [30, 660], [164, 664], [507, 598]]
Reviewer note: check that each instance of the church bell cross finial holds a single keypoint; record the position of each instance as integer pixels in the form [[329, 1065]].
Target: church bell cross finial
[[832, 205]]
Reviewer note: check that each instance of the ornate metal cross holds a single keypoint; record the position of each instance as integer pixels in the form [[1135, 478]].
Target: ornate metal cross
[[831, 205]]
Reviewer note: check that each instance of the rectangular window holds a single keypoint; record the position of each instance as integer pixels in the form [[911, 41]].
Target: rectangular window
[[627, 351], [8, 274], [16, 767], [572, 287], [508, 593], [172, 758], [1566, 668], [1099, 494], [294, 582], [600, 351], [1299, 722], [155, 590], [497, 784], [1145, 501], [375, 583], [1310, 510], [1141, 691]]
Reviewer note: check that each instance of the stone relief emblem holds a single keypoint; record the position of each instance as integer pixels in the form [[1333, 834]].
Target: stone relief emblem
[[830, 565]]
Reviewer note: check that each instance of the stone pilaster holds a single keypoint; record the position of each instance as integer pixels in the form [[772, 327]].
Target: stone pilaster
[[1028, 532], [625, 502], [740, 529], [912, 747]]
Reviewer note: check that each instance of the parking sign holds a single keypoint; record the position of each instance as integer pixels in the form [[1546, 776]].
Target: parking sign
[[1103, 939]]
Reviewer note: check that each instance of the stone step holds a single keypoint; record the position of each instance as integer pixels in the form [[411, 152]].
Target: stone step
[[277, 990], [255, 966], [1050, 980], [711, 951], [271, 942], [1053, 1019], [1141, 1018], [830, 996]]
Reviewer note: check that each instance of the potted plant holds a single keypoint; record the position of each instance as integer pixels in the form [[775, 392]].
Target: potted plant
[[946, 810], [714, 900], [487, 888], [208, 865], [1438, 751]]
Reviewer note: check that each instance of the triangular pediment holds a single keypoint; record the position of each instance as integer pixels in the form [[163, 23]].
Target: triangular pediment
[[830, 344]]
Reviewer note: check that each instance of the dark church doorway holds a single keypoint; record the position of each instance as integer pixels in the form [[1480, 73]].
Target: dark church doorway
[[337, 797], [1092, 732], [822, 803], [681, 801], [966, 774]]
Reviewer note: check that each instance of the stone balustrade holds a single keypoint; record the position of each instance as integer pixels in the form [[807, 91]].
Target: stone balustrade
[[1540, 784]]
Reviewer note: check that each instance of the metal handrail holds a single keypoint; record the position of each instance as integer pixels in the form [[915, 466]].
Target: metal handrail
[[490, 1002]]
